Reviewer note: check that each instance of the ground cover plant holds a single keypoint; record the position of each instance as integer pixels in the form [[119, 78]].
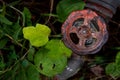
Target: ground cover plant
[[31, 47]]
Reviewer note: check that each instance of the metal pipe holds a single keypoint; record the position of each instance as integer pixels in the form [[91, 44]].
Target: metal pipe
[[74, 65], [105, 8]]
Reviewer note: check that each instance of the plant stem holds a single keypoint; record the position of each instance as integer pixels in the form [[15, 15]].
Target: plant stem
[[23, 16], [51, 8]]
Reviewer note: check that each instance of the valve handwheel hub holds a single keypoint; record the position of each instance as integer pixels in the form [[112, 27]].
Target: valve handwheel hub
[[84, 32]]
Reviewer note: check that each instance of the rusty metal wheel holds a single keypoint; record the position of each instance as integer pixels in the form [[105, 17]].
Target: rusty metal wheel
[[84, 32]]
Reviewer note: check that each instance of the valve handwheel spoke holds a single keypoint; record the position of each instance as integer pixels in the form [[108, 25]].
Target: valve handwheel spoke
[[81, 43], [73, 30]]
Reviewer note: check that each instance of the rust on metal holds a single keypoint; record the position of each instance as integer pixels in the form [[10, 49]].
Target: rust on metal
[[84, 32]]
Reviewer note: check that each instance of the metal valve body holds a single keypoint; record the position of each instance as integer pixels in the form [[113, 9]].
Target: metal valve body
[[84, 32]]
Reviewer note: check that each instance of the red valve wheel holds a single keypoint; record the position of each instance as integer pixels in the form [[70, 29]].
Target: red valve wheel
[[84, 32]]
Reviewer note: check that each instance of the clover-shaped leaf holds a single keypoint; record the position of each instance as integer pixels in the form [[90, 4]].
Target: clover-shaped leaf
[[38, 36], [52, 59], [58, 46], [49, 66]]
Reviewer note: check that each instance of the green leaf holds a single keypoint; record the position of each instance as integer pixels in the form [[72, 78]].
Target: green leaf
[[21, 75], [25, 63], [27, 14], [17, 30], [82, 78], [32, 73], [65, 7], [3, 8], [116, 48], [21, 71], [1, 33], [30, 70], [2, 64], [49, 66], [58, 45], [99, 59], [52, 59], [3, 43], [14, 3], [110, 68], [13, 55], [4, 20], [38, 36], [9, 73], [117, 60], [31, 54], [113, 70], [14, 30]]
